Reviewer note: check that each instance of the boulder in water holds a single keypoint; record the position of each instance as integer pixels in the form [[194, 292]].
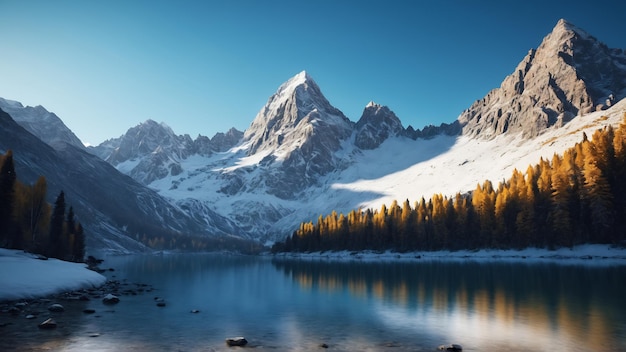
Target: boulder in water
[[110, 299], [236, 341], [56, 308], [48, 324]]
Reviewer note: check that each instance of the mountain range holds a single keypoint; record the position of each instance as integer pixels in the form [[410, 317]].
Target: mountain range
[[302, 157]]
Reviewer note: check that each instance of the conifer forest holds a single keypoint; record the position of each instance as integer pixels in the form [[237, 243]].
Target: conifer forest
[[574, 198]]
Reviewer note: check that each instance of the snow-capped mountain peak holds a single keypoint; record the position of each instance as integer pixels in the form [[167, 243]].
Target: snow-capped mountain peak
[[564, 30], [295, 81], [289, 115]]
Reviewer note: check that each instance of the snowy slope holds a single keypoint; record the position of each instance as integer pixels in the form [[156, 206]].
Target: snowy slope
[[458, 163], [402, 168]]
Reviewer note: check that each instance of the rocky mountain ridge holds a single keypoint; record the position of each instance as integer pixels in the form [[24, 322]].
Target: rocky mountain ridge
[[40, 122], [297, 131], [152, 150], [570, 74], [302, 157]]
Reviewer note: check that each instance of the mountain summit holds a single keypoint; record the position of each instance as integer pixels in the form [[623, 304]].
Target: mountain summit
[[297, 109], [297, 131], [571, 73]]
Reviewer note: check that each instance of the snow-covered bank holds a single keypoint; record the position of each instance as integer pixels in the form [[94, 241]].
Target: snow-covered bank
[[23, 276], [590, 254]]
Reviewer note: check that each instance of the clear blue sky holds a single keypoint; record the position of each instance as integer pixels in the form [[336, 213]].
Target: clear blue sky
[[205, 66]]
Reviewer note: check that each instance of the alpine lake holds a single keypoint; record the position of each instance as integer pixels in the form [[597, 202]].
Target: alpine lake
[[283, 304]]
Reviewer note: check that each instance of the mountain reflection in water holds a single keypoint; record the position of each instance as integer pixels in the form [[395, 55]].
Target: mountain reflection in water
[[487, 305], [298, 305]]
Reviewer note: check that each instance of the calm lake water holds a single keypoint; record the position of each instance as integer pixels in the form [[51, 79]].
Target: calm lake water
[[292, 305]]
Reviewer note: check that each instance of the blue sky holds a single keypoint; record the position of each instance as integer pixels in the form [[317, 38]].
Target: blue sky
[[205, 66]]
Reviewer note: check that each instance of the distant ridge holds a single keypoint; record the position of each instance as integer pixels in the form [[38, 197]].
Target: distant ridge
[[41, 122]]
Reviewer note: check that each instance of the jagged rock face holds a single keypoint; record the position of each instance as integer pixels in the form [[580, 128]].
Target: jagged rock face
[[300, 131], [147, 138], [296, 106], [430, 131], [222, 142], [156, 147], [377, 123], [40, 122], [159, 150], [571, 73]]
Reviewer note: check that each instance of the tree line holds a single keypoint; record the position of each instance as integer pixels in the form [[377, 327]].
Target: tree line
[[577, 197], [28, 222]]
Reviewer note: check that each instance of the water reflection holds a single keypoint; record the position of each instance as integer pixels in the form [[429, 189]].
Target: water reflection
[[291, 305], [487, 306]]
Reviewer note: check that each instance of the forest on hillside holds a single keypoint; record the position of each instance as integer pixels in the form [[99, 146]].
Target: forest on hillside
[[577, 197], [28, 222]]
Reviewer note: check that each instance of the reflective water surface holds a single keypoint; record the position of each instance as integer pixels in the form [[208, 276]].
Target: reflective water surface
[[292, 305]]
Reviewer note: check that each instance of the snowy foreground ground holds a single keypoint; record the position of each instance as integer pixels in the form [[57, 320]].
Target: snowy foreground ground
[[24, 276]]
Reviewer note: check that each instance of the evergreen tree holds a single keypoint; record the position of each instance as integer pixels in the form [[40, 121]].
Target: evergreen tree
[[525, 220], [483, 201], [407, 227], [439, 215], [422, 227], [502, 219], [78, 248], [342, 233], [619, 175], [7, 191], [69, 234], [461, 226], [560, 219], [39, 211], [597, 192], [55, 246]]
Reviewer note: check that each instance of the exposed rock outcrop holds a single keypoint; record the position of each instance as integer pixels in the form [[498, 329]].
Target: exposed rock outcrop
[[569, 74], [41, 122], [299, 131], [377, 123], [153, 151]]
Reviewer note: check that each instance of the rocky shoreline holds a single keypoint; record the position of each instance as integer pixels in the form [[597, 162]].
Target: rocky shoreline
[[61, 312], [45, 307]]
